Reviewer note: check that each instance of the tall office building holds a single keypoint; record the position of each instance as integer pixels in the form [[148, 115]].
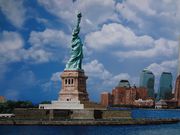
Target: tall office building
[[147, 81], [177, 86], [165, 86], [124, 83], [178, 60]]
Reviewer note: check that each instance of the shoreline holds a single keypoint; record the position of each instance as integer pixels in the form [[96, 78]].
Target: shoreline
[[89, 122]]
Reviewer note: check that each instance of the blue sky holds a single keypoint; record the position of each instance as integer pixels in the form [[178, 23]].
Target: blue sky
[[120, 37]]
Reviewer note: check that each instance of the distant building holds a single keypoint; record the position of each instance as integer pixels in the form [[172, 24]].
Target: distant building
[[147, 81], [177, 91], [124, 84], [177, 86], [165, 86], [2, 99], [161, 104], [106, 99], [144, 103], [141, 93], [171, 104], [123, 94]]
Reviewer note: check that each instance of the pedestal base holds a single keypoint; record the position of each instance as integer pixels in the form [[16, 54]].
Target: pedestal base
[[73, 93], [62, 105]]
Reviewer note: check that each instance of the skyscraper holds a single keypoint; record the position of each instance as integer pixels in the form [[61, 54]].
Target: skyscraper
[[177, 86], [147, 81], [165, 86], [179, 60], [124, 83]]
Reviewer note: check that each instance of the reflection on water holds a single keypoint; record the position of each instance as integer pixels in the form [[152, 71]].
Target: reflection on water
[[164, 129]]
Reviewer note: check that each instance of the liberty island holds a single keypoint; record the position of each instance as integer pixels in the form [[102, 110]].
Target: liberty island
[[73, 106]]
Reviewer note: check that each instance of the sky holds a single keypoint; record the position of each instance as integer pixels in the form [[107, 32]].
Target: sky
[[120, 38]]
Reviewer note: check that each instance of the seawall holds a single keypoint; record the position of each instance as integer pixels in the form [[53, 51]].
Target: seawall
[[88, 122], [35, 116]]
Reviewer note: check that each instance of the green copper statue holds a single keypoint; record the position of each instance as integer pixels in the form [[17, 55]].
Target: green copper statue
[[75, 60]]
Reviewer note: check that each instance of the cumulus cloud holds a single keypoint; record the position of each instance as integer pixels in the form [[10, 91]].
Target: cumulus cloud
[[101, 11], [12, 50], [49, 37], [46, 45], [53, 83], [162, 16], [165, 66], [98, 73], [14, 11], [96, 69], [11, 44], [55, 76], [162, 47], [118, 36], [114, 34]]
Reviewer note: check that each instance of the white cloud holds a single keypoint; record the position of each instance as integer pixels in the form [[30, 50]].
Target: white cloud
[[115, 79], [37, 55], [56, 77], [163, 16], [12, 50], [53, 83], [96, 69], [162, 47], [11, 44], [116, 35], [128, 14], [46, 45], [165, 66], [143, 6], [14, 10], [97, 72], [49, 37], [94, 12]]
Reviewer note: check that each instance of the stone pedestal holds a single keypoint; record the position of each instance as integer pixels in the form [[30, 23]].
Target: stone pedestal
[[73, 86], [73, 92]]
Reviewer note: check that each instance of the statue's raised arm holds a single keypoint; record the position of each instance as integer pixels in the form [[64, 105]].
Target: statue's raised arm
[[75, 60], [76, 30], [79, 15]]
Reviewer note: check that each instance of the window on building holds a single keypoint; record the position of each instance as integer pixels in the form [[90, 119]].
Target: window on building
[[71, 81]]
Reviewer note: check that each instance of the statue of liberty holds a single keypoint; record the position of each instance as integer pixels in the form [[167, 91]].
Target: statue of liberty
[[75, 61]]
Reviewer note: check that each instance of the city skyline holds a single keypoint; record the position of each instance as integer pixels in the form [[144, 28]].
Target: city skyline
[[121, 38]]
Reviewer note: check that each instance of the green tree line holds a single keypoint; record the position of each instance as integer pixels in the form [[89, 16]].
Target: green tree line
[[9, 106]]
